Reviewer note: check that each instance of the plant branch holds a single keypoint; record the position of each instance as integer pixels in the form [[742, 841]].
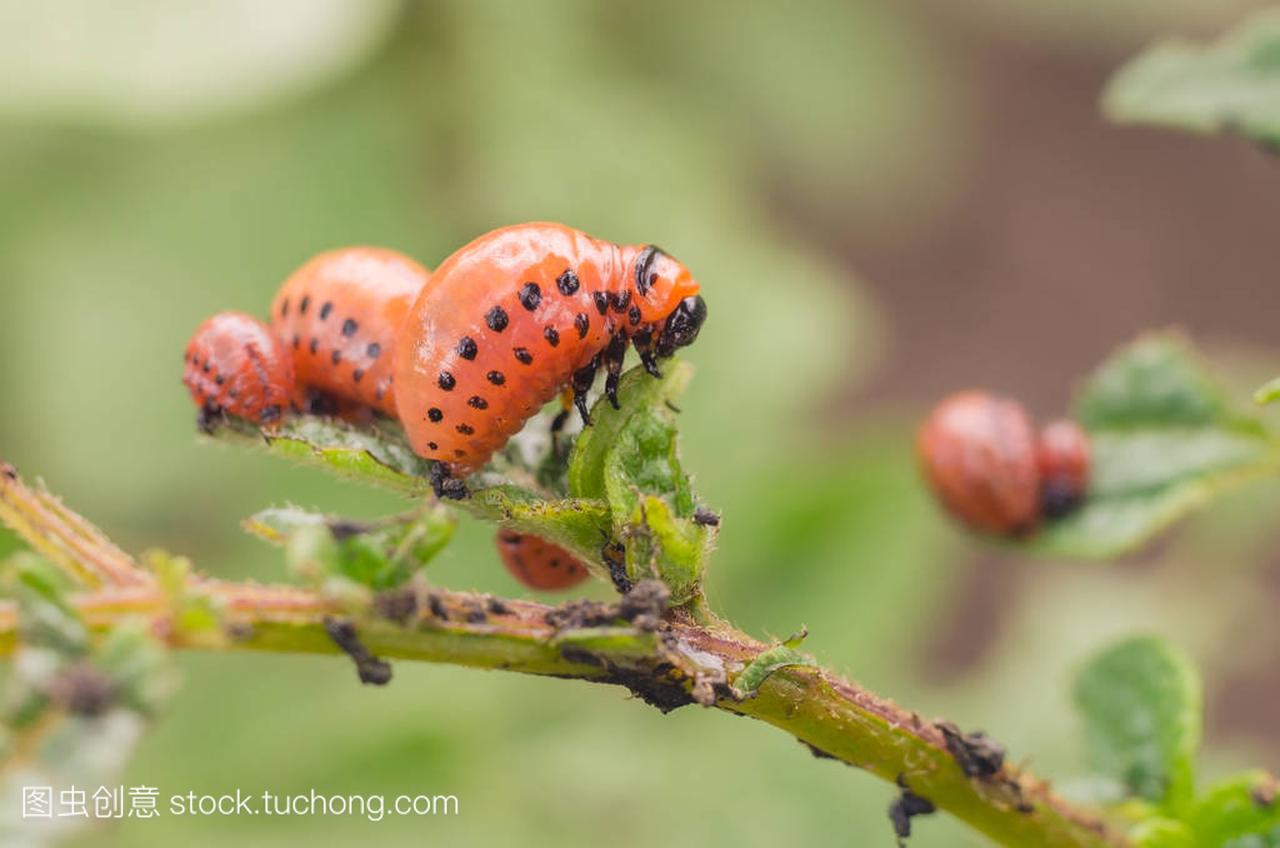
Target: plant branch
[[663, 657]]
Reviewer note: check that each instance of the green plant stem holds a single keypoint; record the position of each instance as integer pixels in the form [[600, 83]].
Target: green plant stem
[[686, 657]]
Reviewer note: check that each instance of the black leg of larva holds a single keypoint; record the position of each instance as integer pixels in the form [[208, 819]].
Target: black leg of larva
[[446, 486], [557, 423], [583, 379], [643, 343], [209, 416], [614, 355]]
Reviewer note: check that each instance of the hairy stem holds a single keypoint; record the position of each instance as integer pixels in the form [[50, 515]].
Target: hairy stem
[[669, 659]]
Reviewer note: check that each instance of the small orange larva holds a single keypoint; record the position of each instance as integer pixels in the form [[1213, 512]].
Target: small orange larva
[[539, 564], [235, 364], [979, 454], [1063, 458]]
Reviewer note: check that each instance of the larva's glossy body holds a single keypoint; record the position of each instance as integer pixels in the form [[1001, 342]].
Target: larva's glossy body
[[235, 363], [520, 313], [978, 453], [340, 315], [1064, 458], [539, 564]]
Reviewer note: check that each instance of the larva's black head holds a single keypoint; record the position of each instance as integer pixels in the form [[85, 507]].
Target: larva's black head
[[682, 326]]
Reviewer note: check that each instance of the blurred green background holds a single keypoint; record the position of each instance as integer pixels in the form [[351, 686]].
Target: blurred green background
[[883, 201]]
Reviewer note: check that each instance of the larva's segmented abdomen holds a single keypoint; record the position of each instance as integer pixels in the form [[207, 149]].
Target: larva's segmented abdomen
[[340, 315], [501, 328], [235, 364]]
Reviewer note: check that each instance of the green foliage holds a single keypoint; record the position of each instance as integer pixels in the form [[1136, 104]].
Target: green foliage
[[1240, 812], [629, 457], [1141, 703], [624, 483], [379, 554], [1164, 442], [1230, 86]]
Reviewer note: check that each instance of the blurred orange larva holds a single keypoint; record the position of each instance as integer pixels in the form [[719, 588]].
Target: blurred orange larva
[[1063, 458], [235, 364], [539, 564], [979, 455]]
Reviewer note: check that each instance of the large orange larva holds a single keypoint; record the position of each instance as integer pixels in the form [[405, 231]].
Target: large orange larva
[[520, 313]]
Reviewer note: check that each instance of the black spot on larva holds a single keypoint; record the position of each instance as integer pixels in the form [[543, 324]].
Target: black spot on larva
[[644, 275], [465, 429], [459, 452], [581, 323], [433, 446], [496, 377], [271, 413], [621, 300], [349, 327], [497, 319], [467, 348], [315, 343], [523, 354], [446, 381], [552, 335], [284, 307], [302, 307], [633, 315], [297, 340], [374, 350], [602, 302], [207, 367], [219, 379], [357, 374], [477, 402], [325, 309], [336, 357], [435, 413], [567, 282], [530, 296], [233, 393]]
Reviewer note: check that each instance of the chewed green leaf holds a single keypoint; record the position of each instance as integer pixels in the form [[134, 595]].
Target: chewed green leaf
[[638, 394], [1240, 812], [630, 457], [1141, 701], [1164, 442], [1230, 86]]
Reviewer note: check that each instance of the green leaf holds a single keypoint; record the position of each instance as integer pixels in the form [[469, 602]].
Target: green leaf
[[638, 395], [1268, 392], [1141, 703], [378, 554], [1162, 833], [1240, 812], [1232, 85], [1164, 442], [630, 457]]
